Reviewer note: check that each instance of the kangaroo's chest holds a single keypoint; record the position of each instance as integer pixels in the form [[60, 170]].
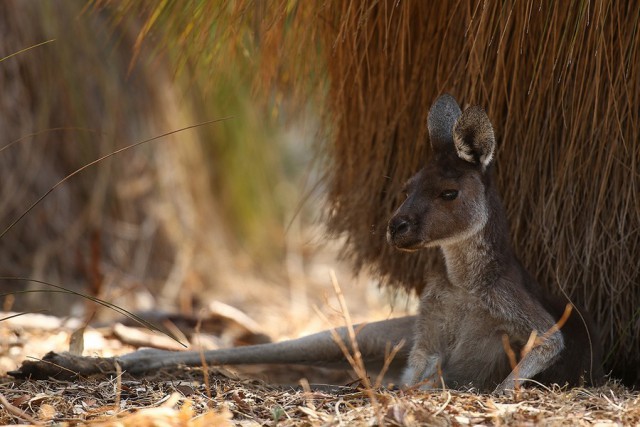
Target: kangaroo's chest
[[467, 339], [460, 318]]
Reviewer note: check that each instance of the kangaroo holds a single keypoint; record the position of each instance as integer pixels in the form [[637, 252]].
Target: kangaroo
[[485, 293]]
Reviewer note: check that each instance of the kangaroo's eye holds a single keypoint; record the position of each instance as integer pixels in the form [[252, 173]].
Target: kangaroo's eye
[[449, 194]]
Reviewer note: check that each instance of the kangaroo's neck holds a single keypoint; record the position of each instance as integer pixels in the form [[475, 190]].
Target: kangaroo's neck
[[480, 259]]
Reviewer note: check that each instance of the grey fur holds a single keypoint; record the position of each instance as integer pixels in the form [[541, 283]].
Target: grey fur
[[442, 117], [484, 293], [473, 137]]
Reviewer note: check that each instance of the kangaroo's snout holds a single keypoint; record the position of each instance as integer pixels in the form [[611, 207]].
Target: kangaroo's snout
[[401, 232], [398, 226]]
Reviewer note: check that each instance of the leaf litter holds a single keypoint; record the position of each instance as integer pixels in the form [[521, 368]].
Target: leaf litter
[[181, 396]]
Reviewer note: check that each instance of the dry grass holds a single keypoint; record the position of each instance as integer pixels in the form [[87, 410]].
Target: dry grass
[[183, 397], [179, 398]]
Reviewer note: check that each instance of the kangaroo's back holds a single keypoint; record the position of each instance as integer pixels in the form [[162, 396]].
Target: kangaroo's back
[[581, 360]]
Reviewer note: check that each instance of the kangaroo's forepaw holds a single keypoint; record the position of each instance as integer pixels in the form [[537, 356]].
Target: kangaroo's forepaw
[[507, 388]]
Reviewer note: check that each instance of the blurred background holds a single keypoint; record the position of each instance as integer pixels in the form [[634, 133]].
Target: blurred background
[[228, 211], [326, 105]]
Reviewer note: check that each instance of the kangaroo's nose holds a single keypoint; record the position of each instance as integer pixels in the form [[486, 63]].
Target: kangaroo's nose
[[399, 226]]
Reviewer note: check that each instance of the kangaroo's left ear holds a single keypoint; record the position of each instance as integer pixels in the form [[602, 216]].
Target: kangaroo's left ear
[[473, 137]]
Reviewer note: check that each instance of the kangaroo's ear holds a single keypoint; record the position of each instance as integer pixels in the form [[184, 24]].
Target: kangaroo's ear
[[442, 117], [473, 137]]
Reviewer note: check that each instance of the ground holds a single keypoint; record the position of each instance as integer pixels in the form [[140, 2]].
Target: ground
[[230, 396], [183, 398], [217, 396]]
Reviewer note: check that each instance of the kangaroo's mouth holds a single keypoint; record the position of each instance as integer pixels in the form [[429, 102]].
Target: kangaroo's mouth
[[405, 243], [408, 249]]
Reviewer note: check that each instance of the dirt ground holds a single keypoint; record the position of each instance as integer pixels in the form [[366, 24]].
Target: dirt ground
[[249, 396], [183, 398], [227, 396]]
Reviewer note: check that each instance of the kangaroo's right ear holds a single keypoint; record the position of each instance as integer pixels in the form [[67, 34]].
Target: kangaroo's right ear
[[443, 115]]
